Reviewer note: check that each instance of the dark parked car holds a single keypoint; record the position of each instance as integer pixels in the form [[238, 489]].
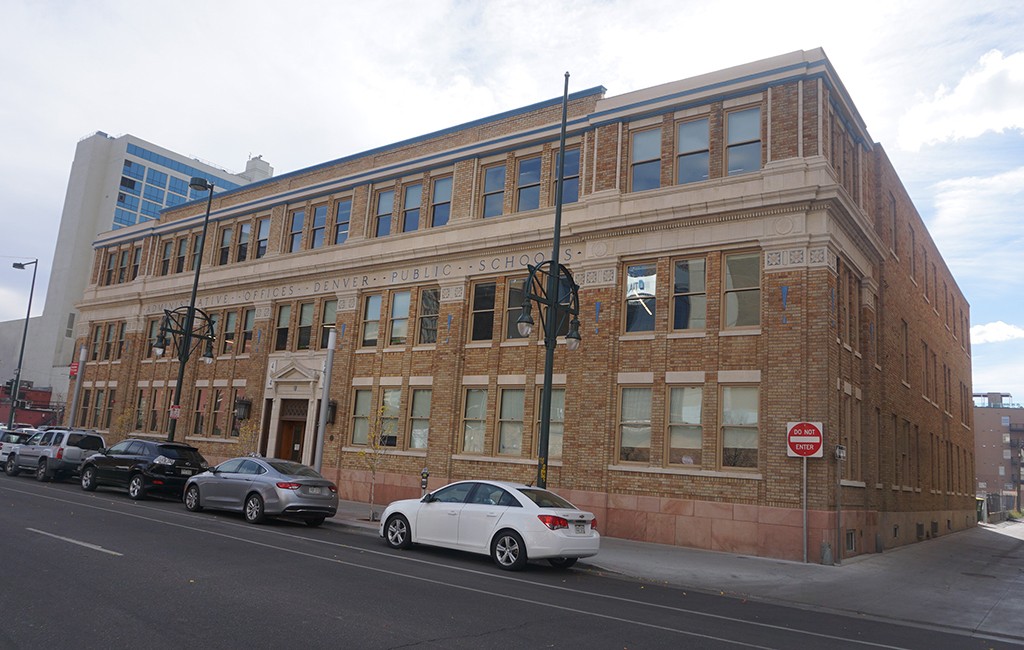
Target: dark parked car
[[144, 467]]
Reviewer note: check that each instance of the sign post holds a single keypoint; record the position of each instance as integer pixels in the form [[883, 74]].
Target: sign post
[[804, 440]]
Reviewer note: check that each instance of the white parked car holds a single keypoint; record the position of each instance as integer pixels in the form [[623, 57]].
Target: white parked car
[[510, 522]]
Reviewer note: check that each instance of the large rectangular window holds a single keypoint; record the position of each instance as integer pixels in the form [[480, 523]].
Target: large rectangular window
[[319, 227], [494, 190], [528, 184], [510, 422], [219, 419], [361, 405], [556, 424], [689, 300], [399, 321], [199, 411], [430, 307], [284, 316], [641, 282], [419, 419], [341, 221], [305, 332], [297, 223], [165, 258], [391, 399], [328, 321], [482, 318], [645, 160], [371, 320], [684, 425], [227, 337], [242, 252], [635, 425], [441, 201], [248, 323], [385, 207], [224, 250], [693, 158], [474, 421], [514, 307], [743, 147], [570, 175], [739, 426], [262, 237], [179, 260], [742, 290], [411, 207]]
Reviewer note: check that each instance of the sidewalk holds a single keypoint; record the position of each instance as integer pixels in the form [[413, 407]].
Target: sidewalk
[[971, 580]]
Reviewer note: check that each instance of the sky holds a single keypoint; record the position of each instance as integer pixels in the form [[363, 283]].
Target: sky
[[939, 83]]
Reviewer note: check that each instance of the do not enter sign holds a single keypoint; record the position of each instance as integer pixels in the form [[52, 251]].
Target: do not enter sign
[[804, 439]]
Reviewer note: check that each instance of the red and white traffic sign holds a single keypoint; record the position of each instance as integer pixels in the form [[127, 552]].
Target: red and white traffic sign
[[74, 369], [804, 439], [175, 412]]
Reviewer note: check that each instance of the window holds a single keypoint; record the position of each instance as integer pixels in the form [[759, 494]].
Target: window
[[556, 423], [693, 157], [474, 421], [570, 175], [684, 425], [635, 425], [743, 148], [262, 236], [228, 336], [510, 422], [284, 317], [153, 332], [743, 290], [122, 267], [243, 242], [328, 320], [298, 219], [341, 221], [371, 320], [119, 347], [165, 259], [316, 235], [689, 301], [108, 277], [235, 426], [641, 281], [361, 418], [391, 399], [430, 306], [197, 251], [482, 318], [399, 323], [140, 410], [108, 343], [892, 230], [494, 190], [904, 352], [419, 419], [645, 160], [305, 326], [219, 414], [248, 322], [441, 201], [224, 257], [411, 207], [739, 426], [385, 207], [179, 261], [514, 307], [136, 261], [528, 184], [198, 420], [94, 346]]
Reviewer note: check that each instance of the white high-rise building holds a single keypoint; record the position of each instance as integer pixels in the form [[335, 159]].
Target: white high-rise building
[[115, 182]]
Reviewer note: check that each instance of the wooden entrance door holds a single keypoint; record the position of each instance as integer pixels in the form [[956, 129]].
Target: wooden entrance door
[[289, 440]]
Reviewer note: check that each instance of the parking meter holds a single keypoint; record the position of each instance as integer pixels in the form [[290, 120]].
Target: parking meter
[[424, 475]]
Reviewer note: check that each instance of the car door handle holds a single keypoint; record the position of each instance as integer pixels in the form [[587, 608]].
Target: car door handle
[[492, 514], [452, 513]]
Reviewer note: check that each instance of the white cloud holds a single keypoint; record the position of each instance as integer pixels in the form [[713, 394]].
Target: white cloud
[[996, 332], [989, 98]]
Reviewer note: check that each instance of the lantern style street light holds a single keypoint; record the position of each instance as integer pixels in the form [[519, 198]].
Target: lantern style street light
[[553, 288], [16, 388], [187, 325]]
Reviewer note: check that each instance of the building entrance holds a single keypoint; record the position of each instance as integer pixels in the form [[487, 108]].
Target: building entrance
[[292, 430]]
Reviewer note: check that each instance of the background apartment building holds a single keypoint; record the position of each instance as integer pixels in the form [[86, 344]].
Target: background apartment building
[[999, 446], [747, 257]]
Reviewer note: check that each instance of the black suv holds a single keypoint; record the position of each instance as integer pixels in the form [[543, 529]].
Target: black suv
[[143, 466]]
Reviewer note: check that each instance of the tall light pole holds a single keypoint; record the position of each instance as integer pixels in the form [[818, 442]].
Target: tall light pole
[[24, 337], [181, 322], [551, 286]]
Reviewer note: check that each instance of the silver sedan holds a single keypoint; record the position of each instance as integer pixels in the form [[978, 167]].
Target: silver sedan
[[262, 487]]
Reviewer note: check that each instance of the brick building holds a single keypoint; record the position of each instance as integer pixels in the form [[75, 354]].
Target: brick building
[[747, 257], [999, 449]]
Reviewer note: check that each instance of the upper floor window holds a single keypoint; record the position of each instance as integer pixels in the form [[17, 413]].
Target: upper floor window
[[645, 160], [361, 406], [641, 306], [528, 184], [385, 208], [482, 318], [328, 320], [693, 158], [297, 222], [513, 307], [108, 276], [419, 419], [742, 290], [743, 147], [427, 316], [371, 320], [179, 260], [243, 242], [343, 215], [474, 421], [136, 261], [284, 318], [224, 252], [122, 266], [411, 207], [165, 259], [494, 190], [441, 201], [570, 175], [262, 236], [248, 324], [510, 422], [227, 337], [319, 226], [689, 300], [305, 332], [399, 324]]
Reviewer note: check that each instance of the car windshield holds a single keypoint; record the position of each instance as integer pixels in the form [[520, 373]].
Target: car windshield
[[182, 453], [545, 499], [289, 468]]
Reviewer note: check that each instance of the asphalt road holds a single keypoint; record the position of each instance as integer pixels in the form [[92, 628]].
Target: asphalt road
[[97, 570]]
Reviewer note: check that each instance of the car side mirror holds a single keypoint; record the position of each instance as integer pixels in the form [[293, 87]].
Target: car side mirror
[[428, 498]]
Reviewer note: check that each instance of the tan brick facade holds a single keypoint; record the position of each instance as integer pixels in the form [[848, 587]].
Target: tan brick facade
[[675, 418]]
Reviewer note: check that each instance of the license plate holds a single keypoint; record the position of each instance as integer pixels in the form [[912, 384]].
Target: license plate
[[314, 490], [581, 529], [187, 472]]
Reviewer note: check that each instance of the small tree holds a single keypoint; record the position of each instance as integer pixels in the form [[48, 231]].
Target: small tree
[[121, 427], [249, 437], [374, 454]]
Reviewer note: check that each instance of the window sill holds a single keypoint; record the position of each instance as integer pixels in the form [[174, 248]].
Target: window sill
[[748, 332], [687, 335], [849, 483], [424, 348], [479, 345], [512, 460], [752, 475], [636, 337], [366, 351], [515, 344], [389, 451]]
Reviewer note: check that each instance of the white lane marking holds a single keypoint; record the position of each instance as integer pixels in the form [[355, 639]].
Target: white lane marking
[[75, 541]]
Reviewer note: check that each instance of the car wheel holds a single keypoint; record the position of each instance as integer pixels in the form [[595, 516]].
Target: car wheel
[[254, 513], [192, 502], [562, 562], [315, 521], [509, 551], [396, 532], [41, 474], [137, 487], [11, 467], [89, 479]]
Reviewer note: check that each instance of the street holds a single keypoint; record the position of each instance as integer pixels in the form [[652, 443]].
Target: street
[[99, 570]]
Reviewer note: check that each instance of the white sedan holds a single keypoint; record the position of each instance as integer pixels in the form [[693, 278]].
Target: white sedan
[[508, 521]]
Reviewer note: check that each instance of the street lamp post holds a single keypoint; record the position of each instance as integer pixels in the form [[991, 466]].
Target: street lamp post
[[181, 322], [552, 287], [24, 337]]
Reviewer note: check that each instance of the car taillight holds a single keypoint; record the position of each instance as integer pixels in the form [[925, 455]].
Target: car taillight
[[333, 489], [593, 524], [60, 453], [553, 522], [286, 485]]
